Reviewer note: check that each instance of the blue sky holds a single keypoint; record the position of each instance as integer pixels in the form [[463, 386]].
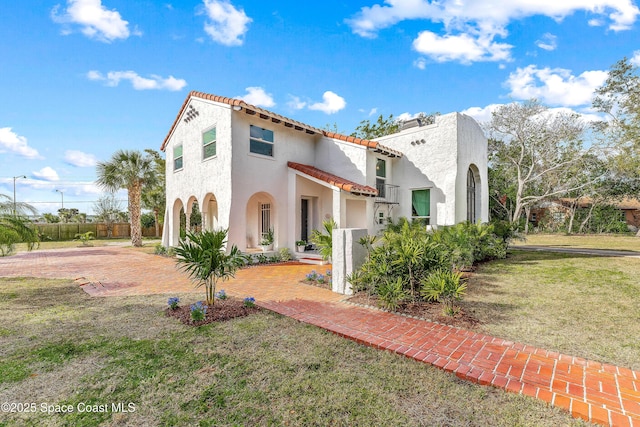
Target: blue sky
[[80, 79]]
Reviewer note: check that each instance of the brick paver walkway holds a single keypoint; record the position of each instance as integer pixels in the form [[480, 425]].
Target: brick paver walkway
[[593, 391]]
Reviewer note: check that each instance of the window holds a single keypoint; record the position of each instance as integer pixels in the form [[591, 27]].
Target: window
[[261, 141], [381, 175], [421, 206], [471, 196], [177, 157], [209, 144], [265, 219]]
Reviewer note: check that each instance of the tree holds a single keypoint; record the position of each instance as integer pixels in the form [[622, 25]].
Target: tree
[[130, 170], [107, 209], [383, 127], [202, 255], [50, 218], [15, 227], [536, 150], [154, 196], [619, 99]]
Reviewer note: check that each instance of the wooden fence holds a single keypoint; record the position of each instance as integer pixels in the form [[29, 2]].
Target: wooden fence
[[68, 231]]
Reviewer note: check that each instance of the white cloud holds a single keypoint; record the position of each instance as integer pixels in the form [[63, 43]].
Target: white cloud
[[465, 48], [331, 103], [11, 141], [47, 173], [481, 114], [295, 103], [420, 63], [373, 111], [555, 86], [80, 159], [470, 26], [154, 82], [96, 21], [227, 24], [635, 59], [547, 42], [257, 96]]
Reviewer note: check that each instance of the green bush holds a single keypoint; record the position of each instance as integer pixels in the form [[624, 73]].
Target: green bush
[[444, 286], [324, 241], [391, 294]]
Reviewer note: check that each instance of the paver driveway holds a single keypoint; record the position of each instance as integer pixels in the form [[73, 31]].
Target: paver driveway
[[593, 391]]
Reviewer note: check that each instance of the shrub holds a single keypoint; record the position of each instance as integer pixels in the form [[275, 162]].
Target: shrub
[[249, 302], [324, 241], [222, 294], [446, 287], [198, 311], [84, 237], [391, 294], [160, 250], [285, 254], [173, 303], [262, 258], [171, 252]]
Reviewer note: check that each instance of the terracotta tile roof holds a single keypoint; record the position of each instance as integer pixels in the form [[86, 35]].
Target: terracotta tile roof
[[336, 181], [276, 118]]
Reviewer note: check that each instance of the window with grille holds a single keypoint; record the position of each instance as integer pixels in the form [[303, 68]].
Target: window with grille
[[265, 218]]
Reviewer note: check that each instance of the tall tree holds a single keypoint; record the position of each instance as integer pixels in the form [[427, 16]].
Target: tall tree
[[131, 170], [108, 209], [619, 98], [382, 126], [536, 149], [154, 196]]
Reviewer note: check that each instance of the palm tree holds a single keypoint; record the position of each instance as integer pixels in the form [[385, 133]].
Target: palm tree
[[15, 227], [203, 256], [131, 170]]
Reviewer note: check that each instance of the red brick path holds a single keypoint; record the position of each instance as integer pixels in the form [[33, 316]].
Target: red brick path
[[596, 392]]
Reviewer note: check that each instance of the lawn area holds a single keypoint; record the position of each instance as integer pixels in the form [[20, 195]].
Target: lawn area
[[148, 244], [576, 304], [59, 346], [592, 241]]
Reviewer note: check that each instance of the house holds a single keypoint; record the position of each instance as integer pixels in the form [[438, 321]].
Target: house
[[251, 170], [555, 212]]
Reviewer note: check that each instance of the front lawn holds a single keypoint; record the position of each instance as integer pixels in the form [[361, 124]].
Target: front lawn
[[59, 346], [626, 242], [579, 305]]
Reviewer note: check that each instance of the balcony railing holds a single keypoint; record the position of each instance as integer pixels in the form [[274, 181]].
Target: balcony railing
[[387, 193]]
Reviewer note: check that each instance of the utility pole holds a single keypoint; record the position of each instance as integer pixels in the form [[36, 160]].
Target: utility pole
[[62, 195], [14, 192]]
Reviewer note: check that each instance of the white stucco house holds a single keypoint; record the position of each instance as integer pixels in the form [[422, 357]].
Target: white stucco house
[[251, 170]]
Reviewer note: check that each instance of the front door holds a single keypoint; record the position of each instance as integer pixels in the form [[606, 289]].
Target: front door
[[304, 220]]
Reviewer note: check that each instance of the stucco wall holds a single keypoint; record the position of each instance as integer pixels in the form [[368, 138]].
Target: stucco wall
[[199, 177]]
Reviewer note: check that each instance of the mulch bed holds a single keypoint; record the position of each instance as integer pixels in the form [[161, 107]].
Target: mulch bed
[[225, 309], [423, 310]]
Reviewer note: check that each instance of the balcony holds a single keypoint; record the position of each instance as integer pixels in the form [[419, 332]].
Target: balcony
[[387, 194]]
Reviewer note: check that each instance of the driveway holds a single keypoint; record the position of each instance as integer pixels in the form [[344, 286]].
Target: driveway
[[112, 270]]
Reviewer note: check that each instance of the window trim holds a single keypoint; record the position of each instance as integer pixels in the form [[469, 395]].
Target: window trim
[[381, 179], [214, 142], [262, 141]]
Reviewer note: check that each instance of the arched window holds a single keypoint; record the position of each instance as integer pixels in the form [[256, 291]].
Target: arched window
[[471, 196]]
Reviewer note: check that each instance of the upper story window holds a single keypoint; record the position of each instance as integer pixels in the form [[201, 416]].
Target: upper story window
[[381, 177], [209, 144], [177, 157], [261, 141]]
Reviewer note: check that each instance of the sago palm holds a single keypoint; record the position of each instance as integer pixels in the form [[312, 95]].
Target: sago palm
[[203, 256], [130, 170]]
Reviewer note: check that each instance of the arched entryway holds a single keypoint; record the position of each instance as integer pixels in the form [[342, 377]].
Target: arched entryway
[[261, 217], [210, 212]]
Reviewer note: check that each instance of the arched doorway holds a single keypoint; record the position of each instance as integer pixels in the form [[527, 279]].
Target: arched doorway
[[261, 217]]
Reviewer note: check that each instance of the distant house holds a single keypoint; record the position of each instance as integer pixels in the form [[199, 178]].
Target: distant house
[[251, 170], [557, 210]]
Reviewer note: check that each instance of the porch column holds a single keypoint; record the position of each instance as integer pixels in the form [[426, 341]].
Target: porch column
[[339, 208]]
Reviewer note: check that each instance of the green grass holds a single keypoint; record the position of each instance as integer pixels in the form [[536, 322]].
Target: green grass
[[147, 242], [264, 369], [576, 304], [592, 241]]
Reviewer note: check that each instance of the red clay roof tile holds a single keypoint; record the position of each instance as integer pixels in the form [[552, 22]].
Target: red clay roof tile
[[336, 181]]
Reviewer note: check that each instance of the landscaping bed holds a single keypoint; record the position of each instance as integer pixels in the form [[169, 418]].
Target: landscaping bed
[[423, 310], [222, 310]]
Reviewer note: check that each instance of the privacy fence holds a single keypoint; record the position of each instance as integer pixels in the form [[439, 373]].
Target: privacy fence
[[68, 231]]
